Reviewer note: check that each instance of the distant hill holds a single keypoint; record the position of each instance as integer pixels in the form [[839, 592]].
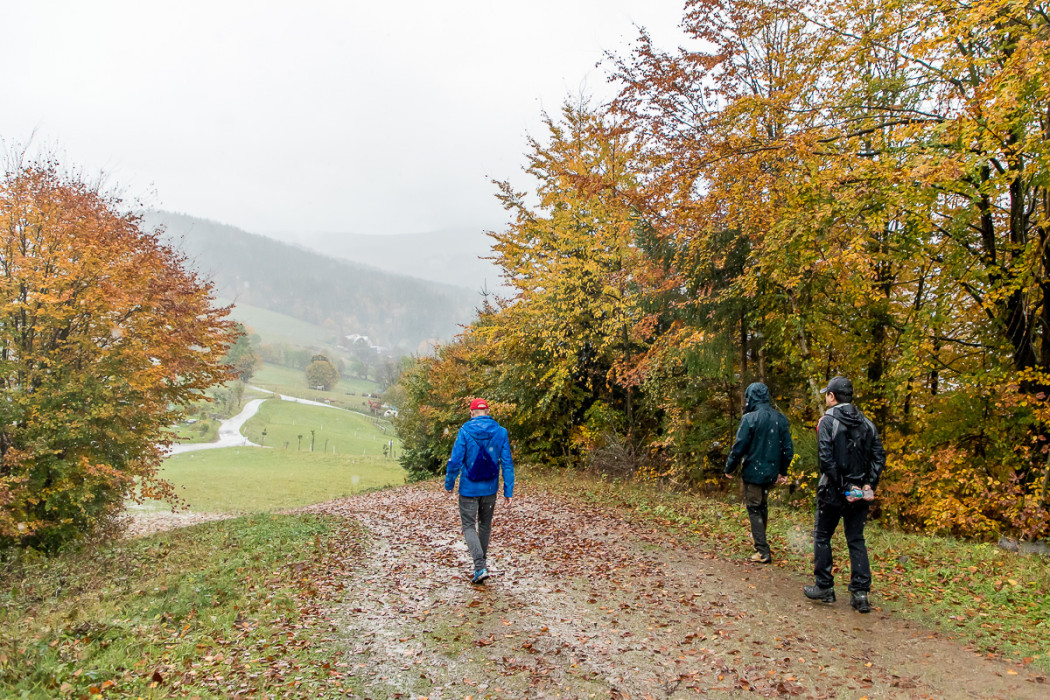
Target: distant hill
[[274, 327], [342, 297], [449, 256]]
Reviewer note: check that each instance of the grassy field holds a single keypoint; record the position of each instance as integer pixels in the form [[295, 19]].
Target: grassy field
[[252, 479], [219, 610], [274, 327], [334, 432], [292, 382], [347, 458]]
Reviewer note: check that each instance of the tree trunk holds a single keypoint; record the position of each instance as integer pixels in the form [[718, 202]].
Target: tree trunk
[[743, 359], [803, 344]]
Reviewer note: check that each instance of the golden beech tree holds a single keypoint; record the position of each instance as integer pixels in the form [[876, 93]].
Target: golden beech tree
[[723, 125], [569, 330], [104, 336]]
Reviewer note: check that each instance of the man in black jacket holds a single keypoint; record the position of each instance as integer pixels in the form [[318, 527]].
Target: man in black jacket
[[763, 443], [851, 460]]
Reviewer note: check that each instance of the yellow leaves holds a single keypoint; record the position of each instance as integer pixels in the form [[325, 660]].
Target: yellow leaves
[[102, 327]]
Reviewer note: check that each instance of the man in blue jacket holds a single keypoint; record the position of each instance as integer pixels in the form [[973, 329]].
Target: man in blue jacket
[[763, 444], [482, 449]]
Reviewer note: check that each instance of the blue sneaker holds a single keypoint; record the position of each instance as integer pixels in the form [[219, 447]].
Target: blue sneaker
[[480, 575]]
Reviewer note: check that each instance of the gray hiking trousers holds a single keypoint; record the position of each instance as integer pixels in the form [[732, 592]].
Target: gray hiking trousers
[[476, 514]]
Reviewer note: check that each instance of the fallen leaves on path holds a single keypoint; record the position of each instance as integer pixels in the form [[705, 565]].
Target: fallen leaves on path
[[583, 603]]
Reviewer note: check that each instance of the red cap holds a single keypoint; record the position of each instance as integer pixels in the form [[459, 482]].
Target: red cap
[[479, 404]]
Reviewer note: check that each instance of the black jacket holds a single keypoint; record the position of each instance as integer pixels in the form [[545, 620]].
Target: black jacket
[[763, 441], [831, 451]]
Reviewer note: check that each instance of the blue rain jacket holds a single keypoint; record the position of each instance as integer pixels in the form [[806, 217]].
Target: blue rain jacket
[[487, 432]]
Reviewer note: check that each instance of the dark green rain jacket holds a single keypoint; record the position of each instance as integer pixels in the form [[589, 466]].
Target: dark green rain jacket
[[763, 441]]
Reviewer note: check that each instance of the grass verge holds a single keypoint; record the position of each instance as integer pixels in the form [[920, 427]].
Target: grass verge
[[993, 600], [217, 610]]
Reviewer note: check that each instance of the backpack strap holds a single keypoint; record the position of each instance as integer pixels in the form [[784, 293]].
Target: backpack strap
[[836, 424], [477, 442]]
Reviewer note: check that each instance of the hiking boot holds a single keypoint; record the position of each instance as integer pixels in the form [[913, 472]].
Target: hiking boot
[[480, 575], [859, 601], [826, 595], [760, 558]]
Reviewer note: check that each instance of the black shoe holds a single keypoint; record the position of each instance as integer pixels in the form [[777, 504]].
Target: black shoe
[[859, 601], [826, 595]]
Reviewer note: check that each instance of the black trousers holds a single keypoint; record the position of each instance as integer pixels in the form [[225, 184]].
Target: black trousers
[[853, 516], [758, 515]]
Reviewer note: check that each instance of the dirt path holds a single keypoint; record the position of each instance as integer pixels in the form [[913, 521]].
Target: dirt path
[[585, 605]]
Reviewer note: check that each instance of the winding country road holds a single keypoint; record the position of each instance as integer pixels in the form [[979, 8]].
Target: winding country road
[[230, 429], [229, 432]]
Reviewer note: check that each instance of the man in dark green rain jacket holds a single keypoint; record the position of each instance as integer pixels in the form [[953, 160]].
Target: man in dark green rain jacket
[[763, 443]]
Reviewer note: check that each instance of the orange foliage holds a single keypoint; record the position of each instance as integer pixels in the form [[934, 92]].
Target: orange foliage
[[103, 336]]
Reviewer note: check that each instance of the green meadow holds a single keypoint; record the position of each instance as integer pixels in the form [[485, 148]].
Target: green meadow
[[277, 327], [254, 479], [348, 393], [347, 457], [334, 431]]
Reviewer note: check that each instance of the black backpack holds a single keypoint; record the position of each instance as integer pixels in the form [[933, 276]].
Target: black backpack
[[858, 450], [484, 467]]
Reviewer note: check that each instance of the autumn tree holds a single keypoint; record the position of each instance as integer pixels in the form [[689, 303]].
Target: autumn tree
[[436, 393], [967, 169], [884, 165], [570, 327], [716, 121], [321, 373], [104, 336]]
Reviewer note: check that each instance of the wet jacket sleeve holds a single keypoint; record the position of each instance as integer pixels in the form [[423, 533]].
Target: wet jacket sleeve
[[787, 447], [826, 448], [507, 465], [455, 461], [740, 447], [878, 457]]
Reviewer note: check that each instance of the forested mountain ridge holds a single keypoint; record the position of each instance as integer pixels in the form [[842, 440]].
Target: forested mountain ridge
[[394, 310], [457, 256]]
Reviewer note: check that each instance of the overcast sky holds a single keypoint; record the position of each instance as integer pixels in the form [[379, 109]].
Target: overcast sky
[[288, 118]]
